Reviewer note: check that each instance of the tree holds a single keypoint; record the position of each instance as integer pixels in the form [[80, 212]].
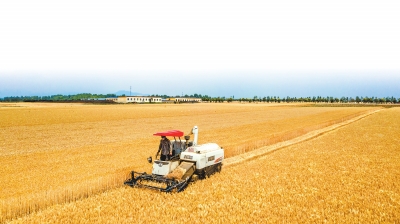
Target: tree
[[255, 98]]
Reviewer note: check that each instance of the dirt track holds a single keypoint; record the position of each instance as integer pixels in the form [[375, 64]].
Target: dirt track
[[313, 134]]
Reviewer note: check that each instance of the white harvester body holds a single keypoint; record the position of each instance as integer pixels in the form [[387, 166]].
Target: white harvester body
[[203, 155]]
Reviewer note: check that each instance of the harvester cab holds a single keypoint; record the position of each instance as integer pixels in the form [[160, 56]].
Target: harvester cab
[[188, 162], [177, 147]]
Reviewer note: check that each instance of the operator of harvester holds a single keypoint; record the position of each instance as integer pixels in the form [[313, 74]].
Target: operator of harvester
[[165, 148]]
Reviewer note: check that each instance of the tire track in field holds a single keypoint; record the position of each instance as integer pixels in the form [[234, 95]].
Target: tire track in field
[[270, 148]]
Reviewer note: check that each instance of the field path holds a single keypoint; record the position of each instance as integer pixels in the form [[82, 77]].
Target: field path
[[313, 134]]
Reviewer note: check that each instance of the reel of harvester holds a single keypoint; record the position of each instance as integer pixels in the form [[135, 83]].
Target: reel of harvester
[[156, 182]]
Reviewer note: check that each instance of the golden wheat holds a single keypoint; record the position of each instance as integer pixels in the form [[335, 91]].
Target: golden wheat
[[349, 175], [55, 153]]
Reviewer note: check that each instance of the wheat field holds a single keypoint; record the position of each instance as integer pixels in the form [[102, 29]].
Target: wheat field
[[57, 153], [349, 175]]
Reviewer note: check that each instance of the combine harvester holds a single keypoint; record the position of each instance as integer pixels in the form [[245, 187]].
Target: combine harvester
[[189, 162]]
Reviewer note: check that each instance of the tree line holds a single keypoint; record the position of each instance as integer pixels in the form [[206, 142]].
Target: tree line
[[320, 99], [207, 98], [58, 97], [277, 99]]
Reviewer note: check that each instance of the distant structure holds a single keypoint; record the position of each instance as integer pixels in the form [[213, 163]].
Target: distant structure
[[153, 99], [114, 99], [139, 99], [184, 100]]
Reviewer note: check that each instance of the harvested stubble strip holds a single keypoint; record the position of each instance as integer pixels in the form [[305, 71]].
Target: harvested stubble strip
[[278, 131], [267, 149]]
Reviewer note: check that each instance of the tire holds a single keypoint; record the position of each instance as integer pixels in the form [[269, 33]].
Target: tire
[[218, 168], [194, 178]]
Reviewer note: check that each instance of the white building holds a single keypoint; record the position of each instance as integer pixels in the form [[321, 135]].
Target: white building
[[139, 99], [184, 99]]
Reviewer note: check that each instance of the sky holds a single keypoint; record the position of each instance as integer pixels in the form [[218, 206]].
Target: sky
[[216, 48]]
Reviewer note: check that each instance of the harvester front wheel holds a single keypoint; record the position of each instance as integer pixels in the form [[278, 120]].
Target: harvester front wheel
[[195, 177], [218, 168]]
